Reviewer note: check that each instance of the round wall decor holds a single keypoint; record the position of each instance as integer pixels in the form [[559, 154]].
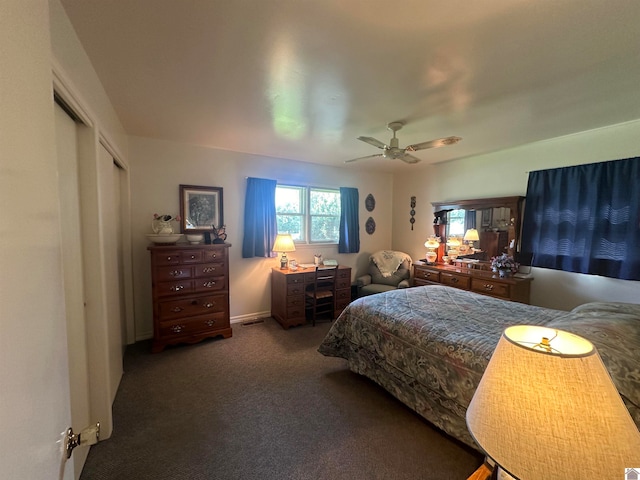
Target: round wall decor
[[370, 203], [370, 226]]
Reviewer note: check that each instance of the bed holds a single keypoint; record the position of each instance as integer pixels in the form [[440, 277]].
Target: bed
[[428, 346]]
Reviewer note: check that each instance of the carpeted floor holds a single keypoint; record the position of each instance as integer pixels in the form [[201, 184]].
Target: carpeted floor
[[265, 404]]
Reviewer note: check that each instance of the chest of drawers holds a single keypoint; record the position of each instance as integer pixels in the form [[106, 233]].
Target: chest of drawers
[[479, 281], [287, 294], [190, 287]]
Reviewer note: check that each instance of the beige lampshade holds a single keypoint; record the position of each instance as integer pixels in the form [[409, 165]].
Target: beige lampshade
[[284, 243], [552, 414], [471, 235]]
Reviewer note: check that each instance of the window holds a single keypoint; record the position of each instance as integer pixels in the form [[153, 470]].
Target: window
[[310, 215]]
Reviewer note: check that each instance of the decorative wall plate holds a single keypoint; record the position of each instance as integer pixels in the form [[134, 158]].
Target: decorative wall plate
[[370, 226], [370, 203]]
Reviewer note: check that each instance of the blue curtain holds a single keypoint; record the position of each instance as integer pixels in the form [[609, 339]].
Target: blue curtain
[[349, 241], [585, 219], [260, 225], [469, 219]]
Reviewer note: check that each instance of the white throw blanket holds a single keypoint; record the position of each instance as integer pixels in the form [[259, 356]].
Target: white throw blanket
[[388, 261]]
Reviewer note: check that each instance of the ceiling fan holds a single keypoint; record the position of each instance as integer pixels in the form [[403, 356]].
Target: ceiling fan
[[393, 151]]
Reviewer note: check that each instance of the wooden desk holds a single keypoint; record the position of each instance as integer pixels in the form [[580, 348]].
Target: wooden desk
[[287, 294], [514, 288]]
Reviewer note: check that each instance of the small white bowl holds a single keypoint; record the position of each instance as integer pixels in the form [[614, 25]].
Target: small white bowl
[[195, 238], [164, 238]]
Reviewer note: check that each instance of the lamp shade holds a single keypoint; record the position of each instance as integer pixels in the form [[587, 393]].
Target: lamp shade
[[549, 409], [284, 243], [471, 235], [432, 243]]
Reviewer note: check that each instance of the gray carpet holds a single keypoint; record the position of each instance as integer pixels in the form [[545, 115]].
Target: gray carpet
[[265, 404]]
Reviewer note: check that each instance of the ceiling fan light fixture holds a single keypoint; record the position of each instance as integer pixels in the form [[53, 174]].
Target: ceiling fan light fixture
[[393, 151]]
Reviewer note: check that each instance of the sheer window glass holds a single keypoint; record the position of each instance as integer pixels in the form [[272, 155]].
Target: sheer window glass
[[310, 215]]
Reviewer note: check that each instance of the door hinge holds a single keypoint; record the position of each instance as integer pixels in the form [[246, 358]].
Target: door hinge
[[88, 436]]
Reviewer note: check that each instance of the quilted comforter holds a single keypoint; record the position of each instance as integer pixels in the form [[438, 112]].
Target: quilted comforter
[[429, 346]]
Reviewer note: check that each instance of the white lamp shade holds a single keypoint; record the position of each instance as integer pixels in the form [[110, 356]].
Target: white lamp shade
[[432, 243], [284, 243], [555, 414], [471, 235]]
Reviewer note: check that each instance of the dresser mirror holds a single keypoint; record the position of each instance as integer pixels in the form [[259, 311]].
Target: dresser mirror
[[497, 220]]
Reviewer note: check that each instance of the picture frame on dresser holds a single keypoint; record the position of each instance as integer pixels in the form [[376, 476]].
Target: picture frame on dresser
[[201, 207]]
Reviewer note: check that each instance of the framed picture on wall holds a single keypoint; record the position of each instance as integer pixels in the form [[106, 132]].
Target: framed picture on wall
[[200, 208]]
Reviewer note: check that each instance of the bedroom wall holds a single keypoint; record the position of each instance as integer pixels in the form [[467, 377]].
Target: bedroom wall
[[505, 173], [159, 167]]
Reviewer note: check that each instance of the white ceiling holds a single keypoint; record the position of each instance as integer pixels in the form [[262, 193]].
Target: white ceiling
[[301, 79]]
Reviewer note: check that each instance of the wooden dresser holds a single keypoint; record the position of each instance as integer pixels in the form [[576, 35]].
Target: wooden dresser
[[514, 288], [190, 285], [287, 294]]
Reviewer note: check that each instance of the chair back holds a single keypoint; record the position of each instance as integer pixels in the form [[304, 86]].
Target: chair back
[[320, 295]]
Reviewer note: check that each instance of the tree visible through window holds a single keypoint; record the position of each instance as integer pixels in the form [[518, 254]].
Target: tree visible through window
[[310, 215]]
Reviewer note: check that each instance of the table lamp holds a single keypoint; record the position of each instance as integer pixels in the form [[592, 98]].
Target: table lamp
[[470, 236], [284, 243], [546, 408], [432, 245]]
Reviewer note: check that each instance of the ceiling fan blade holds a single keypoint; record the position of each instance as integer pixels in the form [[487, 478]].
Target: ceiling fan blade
[[440, 142], [361, 158], [372, 141], [409, 158]]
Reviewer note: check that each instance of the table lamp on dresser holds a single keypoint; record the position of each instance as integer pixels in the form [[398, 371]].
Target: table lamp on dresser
[[546, 408]]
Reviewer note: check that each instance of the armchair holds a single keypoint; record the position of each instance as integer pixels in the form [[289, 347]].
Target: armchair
[[387, 270]]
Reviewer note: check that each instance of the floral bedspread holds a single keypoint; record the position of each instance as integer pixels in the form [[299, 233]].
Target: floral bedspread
[[429, 346]]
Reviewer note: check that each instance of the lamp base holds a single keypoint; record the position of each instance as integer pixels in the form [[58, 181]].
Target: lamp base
[[283, 261]]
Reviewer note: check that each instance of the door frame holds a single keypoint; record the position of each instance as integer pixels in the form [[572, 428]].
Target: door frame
[[90, 138]]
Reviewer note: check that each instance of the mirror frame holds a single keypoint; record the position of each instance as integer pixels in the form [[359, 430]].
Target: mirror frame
[[514, 203]]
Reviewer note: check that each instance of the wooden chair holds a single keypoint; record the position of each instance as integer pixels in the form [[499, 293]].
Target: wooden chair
[[320, 295]]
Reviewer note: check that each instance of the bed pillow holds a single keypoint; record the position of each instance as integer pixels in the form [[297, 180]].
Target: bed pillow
[[614, 329]]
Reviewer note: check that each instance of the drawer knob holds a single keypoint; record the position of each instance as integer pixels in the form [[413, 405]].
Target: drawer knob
[[176, 273], [454, 280], [168, 259], [208, 284], [176, 288], [210, 323], [193, 256], [427, 275], [488, 287], [208, 269], [208, 305], [177, 328], [177, 309], [213, 255]]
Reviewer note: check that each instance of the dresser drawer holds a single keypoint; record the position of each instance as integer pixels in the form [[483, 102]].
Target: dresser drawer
[[295, 301], [217, 255], [168, 258], [454, 280], [209, 269], [491, 287], [426, 274], [344, 294], [210, 284], [164, 289], [192, 256], [175, 272], [194, 325], [191, 307]]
